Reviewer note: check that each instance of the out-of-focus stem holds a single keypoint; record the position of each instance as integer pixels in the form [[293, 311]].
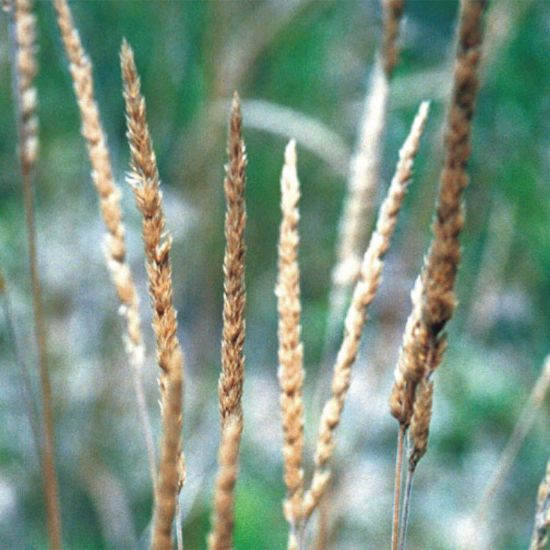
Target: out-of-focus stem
[[397, 487]]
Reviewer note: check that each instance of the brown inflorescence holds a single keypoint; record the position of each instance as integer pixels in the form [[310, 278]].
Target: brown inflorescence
[[433, 297], [230, 386], [145, 181]]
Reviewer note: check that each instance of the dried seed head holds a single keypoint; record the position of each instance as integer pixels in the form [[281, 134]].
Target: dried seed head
[[291, 371]]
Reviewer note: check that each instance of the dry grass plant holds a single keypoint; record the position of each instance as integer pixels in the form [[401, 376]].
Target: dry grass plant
[[433, 298], [145, 182], [24, 69], [234, 327]]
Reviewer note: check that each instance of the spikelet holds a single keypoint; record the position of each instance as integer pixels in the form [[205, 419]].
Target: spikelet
[[24, 69], [145, 181], [542, 515], [363, 295], [171, 468], [232, 354], [291, 371]]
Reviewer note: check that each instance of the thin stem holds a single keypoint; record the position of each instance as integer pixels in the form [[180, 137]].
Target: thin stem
[[49, 475], [397, 487], [406, 508], [179, 527], [302, 535], [324, 526], [48, 448]]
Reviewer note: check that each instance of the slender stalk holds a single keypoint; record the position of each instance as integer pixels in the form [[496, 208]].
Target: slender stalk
[[48, 450], [145, 181], [406, 507], [22, 43], [324, 522], [397, 487], [230, 386], [179, 526]]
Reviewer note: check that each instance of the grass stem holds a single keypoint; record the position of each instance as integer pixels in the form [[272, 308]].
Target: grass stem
[[397, 487]]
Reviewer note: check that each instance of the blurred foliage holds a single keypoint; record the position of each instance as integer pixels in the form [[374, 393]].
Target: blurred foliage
[[313, 57]]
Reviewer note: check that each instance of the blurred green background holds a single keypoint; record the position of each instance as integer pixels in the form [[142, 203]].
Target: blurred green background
[[311, 58]]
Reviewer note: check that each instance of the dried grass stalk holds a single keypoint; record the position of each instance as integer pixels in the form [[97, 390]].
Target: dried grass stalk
[[109, 195], [145, 181], [234, 328], [542, 514], [363, 295], [24, 69], [291, 370], [433, 297]]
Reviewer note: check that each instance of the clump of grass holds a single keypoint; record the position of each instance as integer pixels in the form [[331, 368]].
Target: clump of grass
[[145, 182], [433, 297], [234, 327]]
